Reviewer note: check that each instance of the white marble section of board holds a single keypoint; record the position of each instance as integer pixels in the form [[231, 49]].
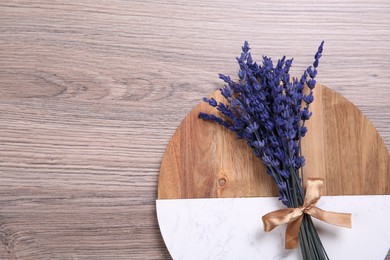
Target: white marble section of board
[[231, 228]]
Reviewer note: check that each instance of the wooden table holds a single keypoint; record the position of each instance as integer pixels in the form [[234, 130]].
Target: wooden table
[[92, 91]]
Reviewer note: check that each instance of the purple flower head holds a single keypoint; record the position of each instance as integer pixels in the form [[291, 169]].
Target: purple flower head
[[258, 144], [303, 131], [312, 72], [320, 48], [284, 173], [252, 128], [305, 114], [299, 161], [308, 98], [226, 93], [311, 83], [214, 118], [245, 48], [283, 198], [212, 102], [282, 185], [249, 59]]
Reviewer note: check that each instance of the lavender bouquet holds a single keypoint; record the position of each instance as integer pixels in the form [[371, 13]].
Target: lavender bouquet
[[268, 109]]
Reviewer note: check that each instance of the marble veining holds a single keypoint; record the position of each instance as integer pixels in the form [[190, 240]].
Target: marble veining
[[231, 228]]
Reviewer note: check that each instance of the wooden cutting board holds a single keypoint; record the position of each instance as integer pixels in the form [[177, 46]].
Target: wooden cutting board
[[204, 160]]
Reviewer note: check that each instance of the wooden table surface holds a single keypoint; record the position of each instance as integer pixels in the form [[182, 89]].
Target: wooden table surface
[[92, 91]]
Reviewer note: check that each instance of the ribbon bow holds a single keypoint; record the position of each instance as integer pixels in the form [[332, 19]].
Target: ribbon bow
[[294, 216]]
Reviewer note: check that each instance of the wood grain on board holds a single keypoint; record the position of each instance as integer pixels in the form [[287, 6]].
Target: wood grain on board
[[205, 160], [91, 92]]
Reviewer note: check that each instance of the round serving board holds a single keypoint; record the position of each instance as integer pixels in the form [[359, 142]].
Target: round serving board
[[204, 160]]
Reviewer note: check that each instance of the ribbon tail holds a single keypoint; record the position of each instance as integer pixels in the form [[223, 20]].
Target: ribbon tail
[[276, 218], [333, 218], [292, 233], [313, 191]]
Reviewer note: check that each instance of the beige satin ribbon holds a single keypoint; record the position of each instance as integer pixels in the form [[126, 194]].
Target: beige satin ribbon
[[294, 216]]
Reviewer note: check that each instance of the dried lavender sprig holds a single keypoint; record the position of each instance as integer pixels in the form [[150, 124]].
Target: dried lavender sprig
[[311, 84]]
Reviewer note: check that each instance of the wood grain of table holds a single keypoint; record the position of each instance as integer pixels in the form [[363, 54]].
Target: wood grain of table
[[92, 91]]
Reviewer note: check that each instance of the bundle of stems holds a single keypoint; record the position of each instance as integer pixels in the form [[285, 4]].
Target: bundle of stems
[[268, 109]]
